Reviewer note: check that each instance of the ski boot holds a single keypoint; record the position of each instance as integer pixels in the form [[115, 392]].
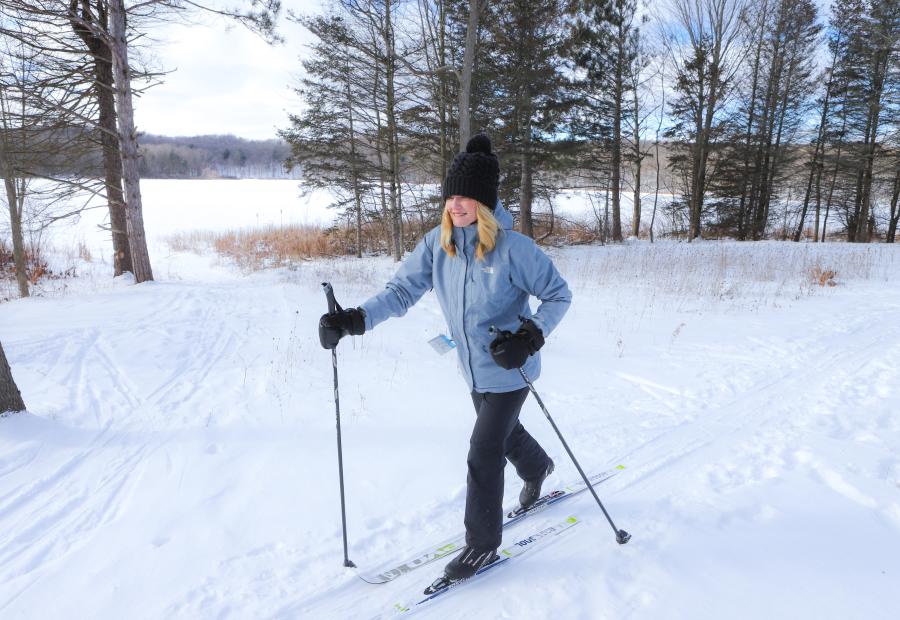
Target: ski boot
[[463, 566], [531, 492]]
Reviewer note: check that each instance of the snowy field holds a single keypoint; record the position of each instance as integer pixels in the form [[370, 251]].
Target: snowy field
[[178, 456]]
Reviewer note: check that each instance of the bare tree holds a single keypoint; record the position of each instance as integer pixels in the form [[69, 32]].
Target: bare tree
[[606, 48], [640, 73], [524, 98], [108, 41], [96, 13], [816, 166], [41, 100], [882, 33], [703, 49], [128, 144], [15, 187], [662, 113]]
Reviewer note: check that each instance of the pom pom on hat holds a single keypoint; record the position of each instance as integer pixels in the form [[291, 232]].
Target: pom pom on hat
[[474, 174], [479, 143]]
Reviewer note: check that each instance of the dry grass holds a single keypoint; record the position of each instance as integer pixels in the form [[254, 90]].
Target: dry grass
[[748, 275], [36, 266], [822, 276], [84, 252], [275, 246], [253, 249]]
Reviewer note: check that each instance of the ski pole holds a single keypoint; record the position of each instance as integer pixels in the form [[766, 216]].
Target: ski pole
[[334, 307], [622, 536]]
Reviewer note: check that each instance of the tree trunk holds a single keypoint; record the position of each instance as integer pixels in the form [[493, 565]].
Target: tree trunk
[[895, 210], [696, 156], [104, 88], [128, 143], [526, 226], [16, 202], [10, 397], [379, 154], [604, 235], [758, 193], [863, 229], [354, 172], [704, 137], [818, 201], [815, 171], [658, 164], [638, 160], [705, 111], [837, 166], [393, 156], [776, 148], [15, 198], [112, 162], [443, 98], [465, 80], [813, 175], [743, 219], [618, 90], [697, 192]]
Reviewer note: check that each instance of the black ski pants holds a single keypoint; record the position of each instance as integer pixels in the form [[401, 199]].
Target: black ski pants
[[498, 435]]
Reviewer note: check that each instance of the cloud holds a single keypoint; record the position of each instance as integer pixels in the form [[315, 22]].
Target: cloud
[[224, 79]]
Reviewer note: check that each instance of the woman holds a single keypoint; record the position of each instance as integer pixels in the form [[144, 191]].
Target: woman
[[483, 274]]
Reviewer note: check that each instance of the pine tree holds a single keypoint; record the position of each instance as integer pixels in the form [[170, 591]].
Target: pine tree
[[522, 98], [758, 146], [330, 138], [703, 49], [606, 47], [867, 107]]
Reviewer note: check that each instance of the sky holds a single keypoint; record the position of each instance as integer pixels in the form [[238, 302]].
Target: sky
[[222, 78]]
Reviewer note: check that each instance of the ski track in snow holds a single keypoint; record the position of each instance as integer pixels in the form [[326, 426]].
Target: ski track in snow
[[180, 463]]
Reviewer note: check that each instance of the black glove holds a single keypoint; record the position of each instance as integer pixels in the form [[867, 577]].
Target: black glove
[[512, 350], [335, 325]]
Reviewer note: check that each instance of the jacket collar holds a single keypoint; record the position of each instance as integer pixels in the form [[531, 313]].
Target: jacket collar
[[503, 217]]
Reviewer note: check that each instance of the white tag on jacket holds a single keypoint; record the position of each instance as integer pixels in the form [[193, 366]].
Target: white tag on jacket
[[441, 344]]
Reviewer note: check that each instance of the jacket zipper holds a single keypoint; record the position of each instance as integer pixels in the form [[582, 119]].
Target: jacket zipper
[[463, 321]]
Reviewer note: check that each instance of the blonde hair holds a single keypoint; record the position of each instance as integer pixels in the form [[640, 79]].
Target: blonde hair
[[488, 228]]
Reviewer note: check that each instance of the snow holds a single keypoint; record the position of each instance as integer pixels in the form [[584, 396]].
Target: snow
[[178, 457], [173, 206]]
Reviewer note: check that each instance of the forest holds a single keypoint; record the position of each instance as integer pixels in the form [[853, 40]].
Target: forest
[[777, 119], [689, 119], [213, 157]]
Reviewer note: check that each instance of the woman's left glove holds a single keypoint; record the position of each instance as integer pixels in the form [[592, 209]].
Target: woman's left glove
[[511, 350], [335, 325]]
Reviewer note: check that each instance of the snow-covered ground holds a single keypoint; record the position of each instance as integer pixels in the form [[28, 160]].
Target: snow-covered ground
[[178, 457]]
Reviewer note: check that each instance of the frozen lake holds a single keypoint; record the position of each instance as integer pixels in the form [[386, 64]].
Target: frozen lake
[[172, 206]]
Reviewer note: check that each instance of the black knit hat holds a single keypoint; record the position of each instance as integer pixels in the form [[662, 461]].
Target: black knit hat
[[475, 173]]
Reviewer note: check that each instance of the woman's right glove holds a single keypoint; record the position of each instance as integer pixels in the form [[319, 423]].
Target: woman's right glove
[[511, 350], [335, 325]]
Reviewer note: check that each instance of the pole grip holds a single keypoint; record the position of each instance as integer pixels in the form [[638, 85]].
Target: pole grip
[[333, 305]]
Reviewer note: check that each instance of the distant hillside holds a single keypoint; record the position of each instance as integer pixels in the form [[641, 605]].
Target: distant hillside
[[213, 157]]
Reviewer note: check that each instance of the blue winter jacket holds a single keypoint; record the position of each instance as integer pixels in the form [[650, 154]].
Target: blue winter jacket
[[476, 294]]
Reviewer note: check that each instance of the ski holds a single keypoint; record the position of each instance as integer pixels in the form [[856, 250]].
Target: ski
[[390, 571], [507, 554]]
